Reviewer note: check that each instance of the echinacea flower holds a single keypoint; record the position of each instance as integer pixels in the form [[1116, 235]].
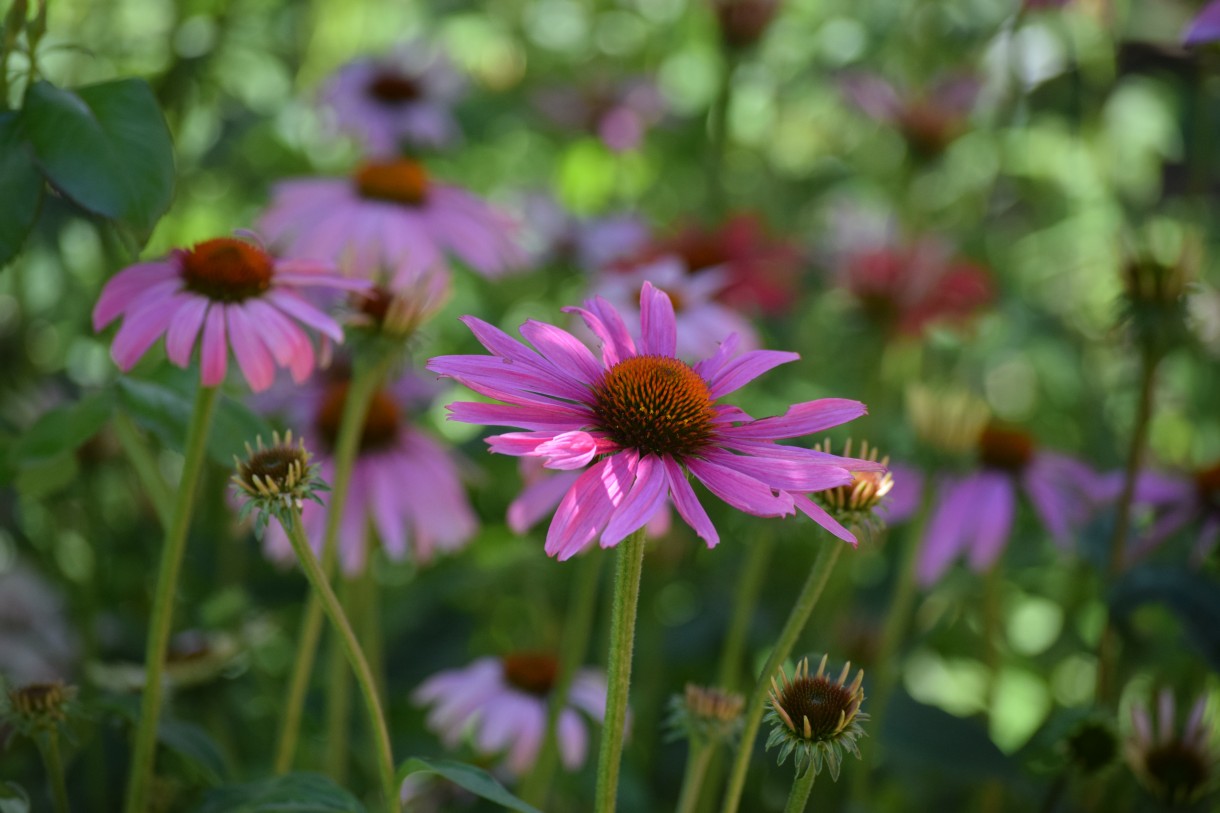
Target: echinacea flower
[[706, 714], [906, 287], [702, 322], [930, 120], [1177, 501], [221, 293], [973, 514], [390, 218], [815, 717], [1205, 27], [1176, 767], [403, 99], [276, 480], [404, 484], [503, 703], [638, 420], [873, 499]]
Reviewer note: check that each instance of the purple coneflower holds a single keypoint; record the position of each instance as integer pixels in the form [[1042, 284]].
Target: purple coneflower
[[404, 484], [1176, 768], [640, 420], [403, 99], [390, 217], [973, 514], [235, 294], [930, 120], [504, 701], [1205, 27], [1177, 501], [702, 322]]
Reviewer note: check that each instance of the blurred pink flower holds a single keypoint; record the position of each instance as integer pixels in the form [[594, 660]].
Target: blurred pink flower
[[1178, 501], [619, 112], [973, 514], [1205, 27], [929, 120], [702, 322], [1177, 768], [503, 703], [391, 219], [404, 485], [235, 294], [906, 287], [640, 420], [401, 99], [557, 236]]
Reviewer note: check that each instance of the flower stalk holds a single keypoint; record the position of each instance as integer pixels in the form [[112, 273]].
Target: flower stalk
[[802, 787], [628, 574], [144, 754]]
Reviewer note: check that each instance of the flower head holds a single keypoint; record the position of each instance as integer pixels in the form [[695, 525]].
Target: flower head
[[400, 100], [231, 292], [930, 120], [857, 504], [1177, 767], [40, 706], [1177, 500], [816, 717], [619, 112], [707, 714], [404, 484], [638, 420], [503, 703], [1205, 27], [392, 223], [974, 513], [276, 479]]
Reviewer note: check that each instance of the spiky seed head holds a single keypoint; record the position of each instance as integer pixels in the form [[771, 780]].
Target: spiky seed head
[[854, 505], [707, 714], [276, 479], [816, 717]]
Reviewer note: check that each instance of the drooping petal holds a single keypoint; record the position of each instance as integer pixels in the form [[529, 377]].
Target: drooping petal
[[947, 528], [297, 307], [184, 330], [141, 329], [587, 506], [802, 419], [215, 352], [252, 356], [642, 502], [819, 515], [995, 504], [558, 418], [123, 287], [688, 505], [741, 491], [783, 474], [573, 739]]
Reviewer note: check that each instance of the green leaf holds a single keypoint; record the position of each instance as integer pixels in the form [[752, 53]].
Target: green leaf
[[105, 146], [163, 407], [1192, 596], [476, 780], [13, 798], [22, 185], [63, 430], [293, 793], [194, 745], [945, 747]]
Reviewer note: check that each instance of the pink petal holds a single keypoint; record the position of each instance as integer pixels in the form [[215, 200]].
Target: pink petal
[[745, 368], [782, 474], [1205, 27], [564, 350], [646, 498], [658, 330], [556, 418], [295, 306], [993, 508], [180, 338], [688, 505], [803, 419], [123, 287], [537, 500], [818, 514], [710, 367], [607, 325], [569, 450], [573, 739], [141, 329], [215, 353], [585, 509], [252, 357], [947, 530], [741, 491]]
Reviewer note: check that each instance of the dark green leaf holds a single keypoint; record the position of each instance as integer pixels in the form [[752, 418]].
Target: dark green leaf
[[194, 745], [105, 146], [63, 429], [953, 748], [1192, 596], [22, 185], [294, 793], [476, 780]]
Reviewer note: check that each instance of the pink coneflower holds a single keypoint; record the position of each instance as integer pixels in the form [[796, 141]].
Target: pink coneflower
[[906, 287], [619, 113], [1176, 767], [973, 514], [235, 294], [1177, 501], [1205, 27], [390, 216], [930, 120], [404, 485], [403, 99], [503, 701], [641, 420], [544, 489], [702, 322]]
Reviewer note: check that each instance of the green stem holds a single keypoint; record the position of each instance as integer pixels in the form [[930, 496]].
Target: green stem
[[718, 125], [142, 461], [1108, 643], [355, 657], [744, 602], [627, 575], [581, 612], [338, 699], [163, 602], [364, 384], [819, 574], [692, 780], [55, 770], [802, 786]]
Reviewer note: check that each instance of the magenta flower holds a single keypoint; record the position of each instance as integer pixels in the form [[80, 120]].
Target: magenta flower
[[503, 702], [640, 420], [403, 99], [1205, 27], [390, 218], [404, 485], [702, 322], [1177, 501], [973, 514], [233, 293]]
